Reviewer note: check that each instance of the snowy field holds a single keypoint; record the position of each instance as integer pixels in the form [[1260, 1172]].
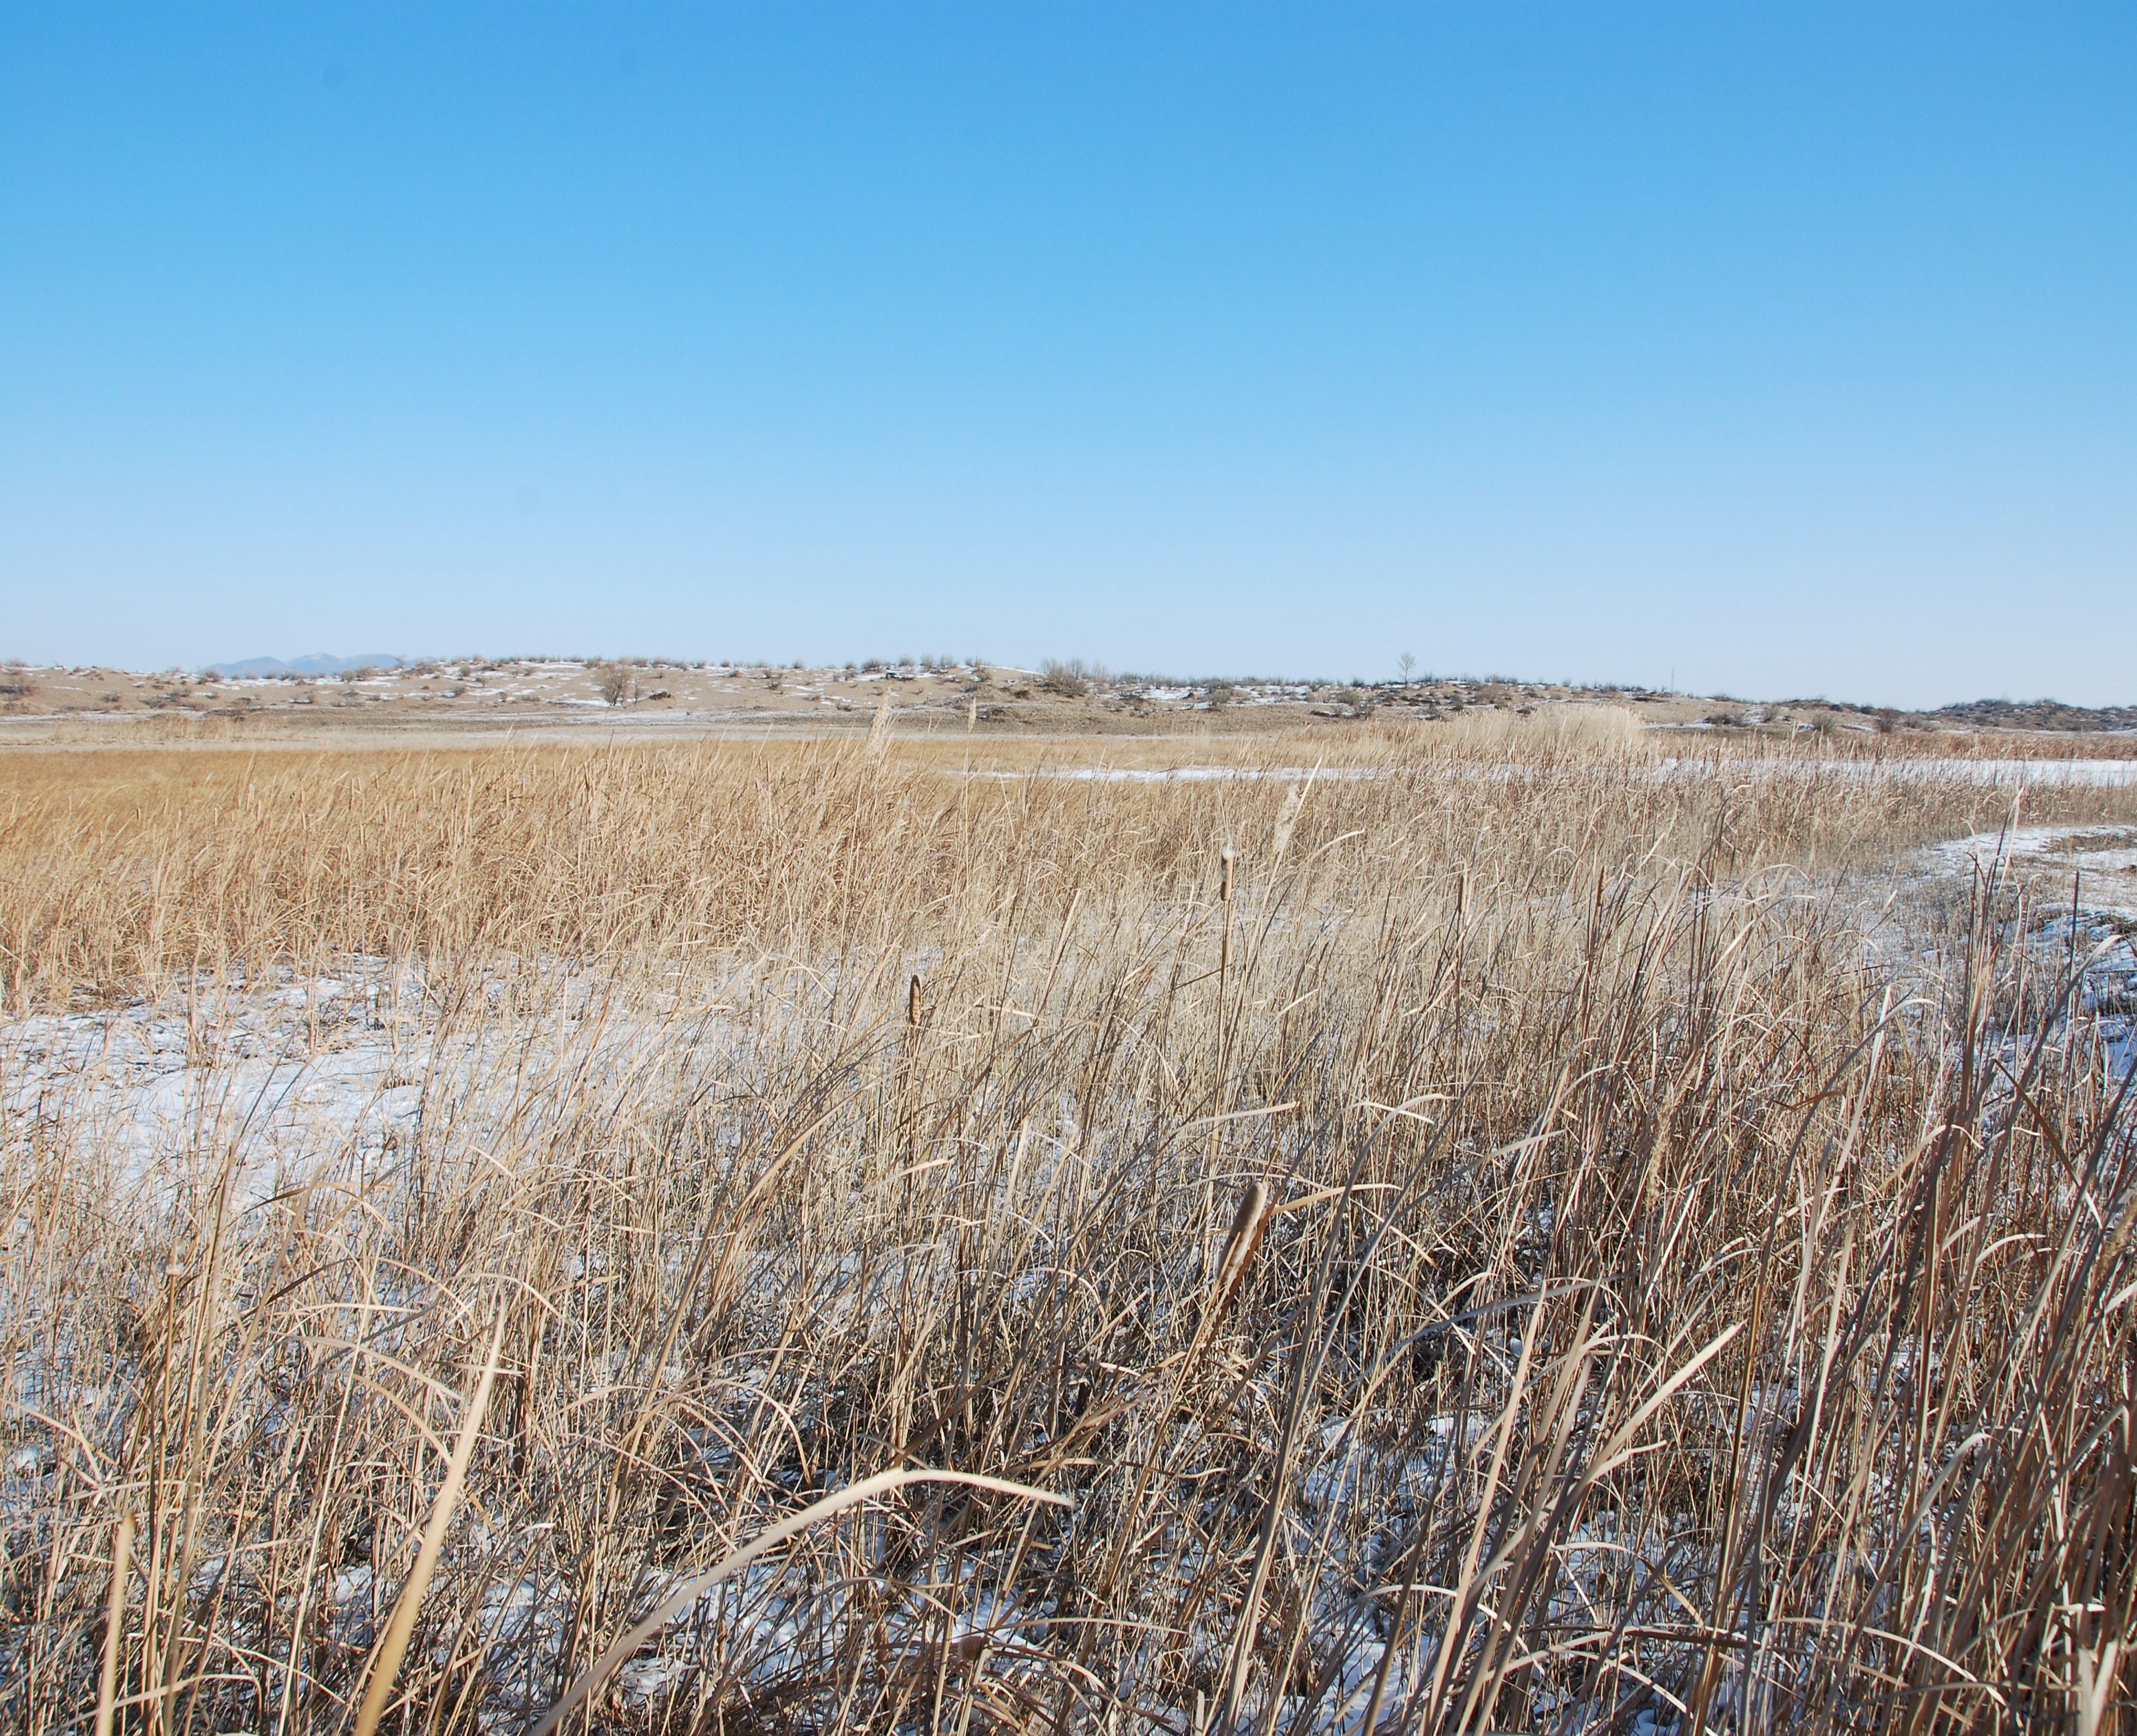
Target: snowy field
[[2016, 773]]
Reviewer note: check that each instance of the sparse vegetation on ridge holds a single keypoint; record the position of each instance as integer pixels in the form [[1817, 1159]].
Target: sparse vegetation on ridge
[[464, 697]]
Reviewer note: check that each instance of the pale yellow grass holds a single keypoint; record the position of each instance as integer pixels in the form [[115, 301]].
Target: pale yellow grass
[[1675, 1274]]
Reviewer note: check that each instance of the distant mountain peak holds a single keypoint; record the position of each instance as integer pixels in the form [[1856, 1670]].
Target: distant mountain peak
[[314, 663]]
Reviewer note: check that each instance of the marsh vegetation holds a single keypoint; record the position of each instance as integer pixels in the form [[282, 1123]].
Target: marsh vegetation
[[1513, 1240]]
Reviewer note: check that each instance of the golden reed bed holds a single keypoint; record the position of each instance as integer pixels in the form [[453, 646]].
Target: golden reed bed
[[1512, 1237]]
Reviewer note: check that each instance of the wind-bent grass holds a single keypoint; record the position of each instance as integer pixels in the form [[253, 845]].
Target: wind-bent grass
[[1560, 1244]]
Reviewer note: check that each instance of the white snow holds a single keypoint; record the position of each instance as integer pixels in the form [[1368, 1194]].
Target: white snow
[[2103, 860]]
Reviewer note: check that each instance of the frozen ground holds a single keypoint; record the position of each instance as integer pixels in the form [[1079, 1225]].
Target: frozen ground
[[2080, 914], [288, 1081], [1180, 774], [2041, 774], [284, 1070], [2047, 859]]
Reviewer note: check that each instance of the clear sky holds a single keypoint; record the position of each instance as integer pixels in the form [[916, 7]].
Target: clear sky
[[1784, 349]]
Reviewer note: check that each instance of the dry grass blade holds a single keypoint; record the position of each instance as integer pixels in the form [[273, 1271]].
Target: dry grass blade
[[681, 1599], [114, 1621], [386, 1667]]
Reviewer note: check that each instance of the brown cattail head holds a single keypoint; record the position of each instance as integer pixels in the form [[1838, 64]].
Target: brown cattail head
[[912, 1002], [1240, 1243], [1225, 858], [1294, 798]]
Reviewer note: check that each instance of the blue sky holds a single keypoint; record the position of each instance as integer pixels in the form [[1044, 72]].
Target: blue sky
[[1784, 349]]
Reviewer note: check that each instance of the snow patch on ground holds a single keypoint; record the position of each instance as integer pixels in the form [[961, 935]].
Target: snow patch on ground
[[281, 1080], [2079, 885], [2102, 860], [2048, 774]]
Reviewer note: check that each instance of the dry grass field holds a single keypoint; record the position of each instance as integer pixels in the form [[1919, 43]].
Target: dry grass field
[[1478, 1230]]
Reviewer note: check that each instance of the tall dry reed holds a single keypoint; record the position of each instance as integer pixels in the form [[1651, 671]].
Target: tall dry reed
[[1561, 1246]]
